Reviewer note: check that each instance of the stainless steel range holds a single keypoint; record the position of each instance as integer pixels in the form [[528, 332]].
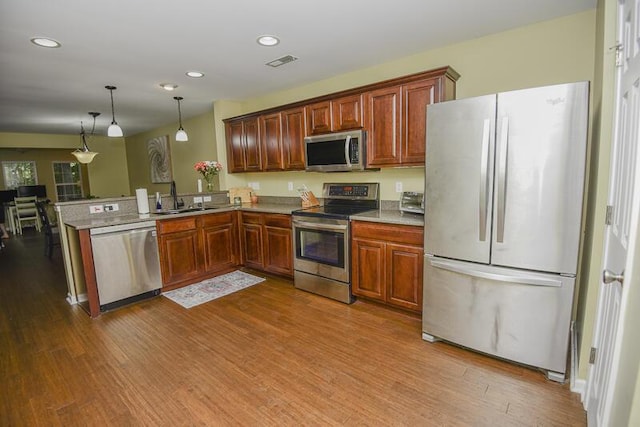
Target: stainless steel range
[[321, 239]]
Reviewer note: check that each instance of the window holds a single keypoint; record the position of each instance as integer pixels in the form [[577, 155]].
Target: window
[[19, 173], [68, 180]]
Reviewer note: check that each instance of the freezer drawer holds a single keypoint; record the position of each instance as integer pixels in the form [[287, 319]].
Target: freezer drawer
[[513, 314]]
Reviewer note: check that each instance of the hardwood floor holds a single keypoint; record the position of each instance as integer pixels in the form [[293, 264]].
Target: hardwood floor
[[267, 355]]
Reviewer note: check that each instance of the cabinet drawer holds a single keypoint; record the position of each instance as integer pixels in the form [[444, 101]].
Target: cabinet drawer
[[215, 219], [408, 234], [277, 220], [175, 225], [251, 218]]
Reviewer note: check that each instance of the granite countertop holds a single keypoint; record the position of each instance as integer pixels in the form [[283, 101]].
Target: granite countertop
[[134, 218], [392, 216]]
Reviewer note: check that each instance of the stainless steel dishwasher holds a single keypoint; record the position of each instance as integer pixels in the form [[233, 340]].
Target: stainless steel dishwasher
[[126, 262]]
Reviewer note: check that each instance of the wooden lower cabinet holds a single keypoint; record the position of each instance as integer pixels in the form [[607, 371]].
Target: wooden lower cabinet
[[197, 247], [219, 233], [387, 263], [266, 242]]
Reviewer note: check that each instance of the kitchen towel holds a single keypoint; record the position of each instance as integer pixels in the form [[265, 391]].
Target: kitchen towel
[[143, 200]]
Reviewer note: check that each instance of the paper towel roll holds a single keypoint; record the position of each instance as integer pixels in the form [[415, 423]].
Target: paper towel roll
[[199, 186], [143, 200]]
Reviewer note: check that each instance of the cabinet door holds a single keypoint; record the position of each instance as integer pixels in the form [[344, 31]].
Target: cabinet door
[[404, 276], [220, 241], [252, 246], [347, 112], [278, 253], [179, 255], [415, 98], [368, 269], [251, 136], [383, 126], [235, 146], [271, 142], [319, 118], [293, 133]]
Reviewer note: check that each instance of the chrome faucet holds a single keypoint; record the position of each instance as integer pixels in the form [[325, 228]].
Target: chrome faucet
[[174, 195]]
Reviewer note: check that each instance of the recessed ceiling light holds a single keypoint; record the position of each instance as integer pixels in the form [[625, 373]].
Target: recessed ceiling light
[[194, 74], [268, 40], [168, 86], [45, 42]]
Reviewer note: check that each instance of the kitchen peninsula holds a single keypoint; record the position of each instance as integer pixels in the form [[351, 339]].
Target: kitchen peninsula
[[213, 241]]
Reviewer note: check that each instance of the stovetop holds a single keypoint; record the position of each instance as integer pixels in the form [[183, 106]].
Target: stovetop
[[343, 200]]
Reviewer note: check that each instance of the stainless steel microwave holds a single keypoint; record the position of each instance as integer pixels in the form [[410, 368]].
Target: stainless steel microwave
[[336, 152]]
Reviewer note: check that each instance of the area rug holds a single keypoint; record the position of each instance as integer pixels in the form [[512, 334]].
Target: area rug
[[210, 289]]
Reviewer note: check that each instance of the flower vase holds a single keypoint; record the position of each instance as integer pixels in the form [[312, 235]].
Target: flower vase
[[209, 180]]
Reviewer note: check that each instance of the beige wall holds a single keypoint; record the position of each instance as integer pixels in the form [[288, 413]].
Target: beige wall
[[107, 174], [201, 146], [528, 56]]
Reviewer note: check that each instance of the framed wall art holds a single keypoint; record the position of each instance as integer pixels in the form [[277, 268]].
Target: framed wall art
[[159, 159]]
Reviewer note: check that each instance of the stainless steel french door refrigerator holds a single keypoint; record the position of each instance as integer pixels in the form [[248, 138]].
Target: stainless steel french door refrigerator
[[504, 193]]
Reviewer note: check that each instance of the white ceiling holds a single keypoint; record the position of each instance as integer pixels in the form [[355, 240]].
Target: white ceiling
[[138, 44]]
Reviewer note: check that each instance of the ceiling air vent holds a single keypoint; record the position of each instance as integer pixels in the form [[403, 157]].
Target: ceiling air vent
[[281, 61]]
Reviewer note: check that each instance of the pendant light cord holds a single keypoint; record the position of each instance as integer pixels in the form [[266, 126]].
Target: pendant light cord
[[179, 98], [113, 110]]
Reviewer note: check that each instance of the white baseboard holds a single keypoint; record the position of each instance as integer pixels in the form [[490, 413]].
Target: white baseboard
[[580, 386], [73, 300], [577, 385]]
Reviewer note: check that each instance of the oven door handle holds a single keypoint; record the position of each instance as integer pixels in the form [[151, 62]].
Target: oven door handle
[[317, 226]]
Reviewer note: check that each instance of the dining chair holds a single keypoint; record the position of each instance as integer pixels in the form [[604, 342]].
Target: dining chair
[[26, 212], [50, 230]]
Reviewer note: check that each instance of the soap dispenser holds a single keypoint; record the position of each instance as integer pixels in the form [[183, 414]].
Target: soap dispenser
[[158, 201]]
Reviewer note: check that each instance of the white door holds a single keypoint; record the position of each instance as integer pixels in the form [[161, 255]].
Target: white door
[[617, 252]]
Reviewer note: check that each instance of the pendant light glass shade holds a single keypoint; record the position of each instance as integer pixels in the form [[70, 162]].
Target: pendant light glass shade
[[84, 154], [114, 130], [181, 134]]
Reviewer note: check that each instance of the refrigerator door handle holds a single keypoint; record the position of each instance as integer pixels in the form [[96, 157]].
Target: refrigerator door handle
[[468, 271], [502, 178], [484, 181]]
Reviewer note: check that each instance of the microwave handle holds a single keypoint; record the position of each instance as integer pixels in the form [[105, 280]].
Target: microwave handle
[[346, 150]]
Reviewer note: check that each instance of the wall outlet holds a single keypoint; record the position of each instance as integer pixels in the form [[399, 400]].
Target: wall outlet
[[206, 198], [197, 199], [93, 209], [398, 187], [111, 207], [290, 186]]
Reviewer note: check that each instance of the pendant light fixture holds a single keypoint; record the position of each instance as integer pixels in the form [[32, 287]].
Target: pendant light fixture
[[114, 130], [181, 135], [84, 154]]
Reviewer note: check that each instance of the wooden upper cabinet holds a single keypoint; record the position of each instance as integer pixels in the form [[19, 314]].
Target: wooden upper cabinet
[[271, 141], [252, 145], [347, 113], [392, 112], [415, 98], [235, 146], [319, 118], [396, 120], [383, 115], [293, 133], [243, 145]]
